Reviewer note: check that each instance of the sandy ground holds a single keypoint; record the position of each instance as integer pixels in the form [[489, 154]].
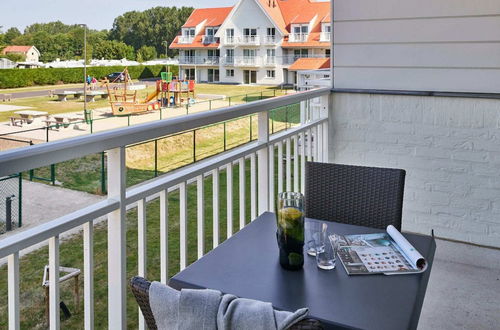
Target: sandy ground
[[8, 107], [103, 120]]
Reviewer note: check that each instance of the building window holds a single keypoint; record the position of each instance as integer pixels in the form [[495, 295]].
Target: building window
[[270, 74], [230, 73], [327, 52], [271, 31]]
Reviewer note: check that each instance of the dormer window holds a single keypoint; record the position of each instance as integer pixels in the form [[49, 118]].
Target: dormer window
[[300, 33], [210, 35]]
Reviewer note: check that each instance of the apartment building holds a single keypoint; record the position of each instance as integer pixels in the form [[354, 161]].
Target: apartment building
[[254, 42]]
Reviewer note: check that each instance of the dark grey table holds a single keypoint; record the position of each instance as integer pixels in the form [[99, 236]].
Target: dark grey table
[[247, 265]]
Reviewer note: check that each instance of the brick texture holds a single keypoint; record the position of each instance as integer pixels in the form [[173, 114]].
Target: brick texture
[[450, 148]]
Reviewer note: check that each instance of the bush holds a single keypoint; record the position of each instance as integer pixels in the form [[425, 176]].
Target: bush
[[13, 78]]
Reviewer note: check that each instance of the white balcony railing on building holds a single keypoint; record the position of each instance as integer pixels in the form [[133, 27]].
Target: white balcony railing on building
[[306, 141], [325, 36], [209, 39], [250, 40], [199, 60], [230, 41], [298, 37], [227, 60], [270, 60], [271, 40], [246, 60], [186, 39], [290, 59]]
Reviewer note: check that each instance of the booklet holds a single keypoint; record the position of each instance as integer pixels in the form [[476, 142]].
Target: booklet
[[387, 253]]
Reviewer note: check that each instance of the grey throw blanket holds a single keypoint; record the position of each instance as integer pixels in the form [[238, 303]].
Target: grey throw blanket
[[210, 310]]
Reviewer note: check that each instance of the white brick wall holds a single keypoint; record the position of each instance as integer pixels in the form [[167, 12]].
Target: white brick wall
[[450, 148]]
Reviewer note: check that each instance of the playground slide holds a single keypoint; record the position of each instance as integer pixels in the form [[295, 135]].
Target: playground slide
[[152, 96]]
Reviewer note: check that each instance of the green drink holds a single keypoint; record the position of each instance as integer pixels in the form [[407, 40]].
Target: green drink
[[290, 234]]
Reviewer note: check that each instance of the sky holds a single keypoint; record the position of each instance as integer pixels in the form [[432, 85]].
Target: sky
[[97, 14]]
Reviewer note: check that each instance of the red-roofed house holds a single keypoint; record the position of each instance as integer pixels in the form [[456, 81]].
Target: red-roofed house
[[254, 42], [32, 54]]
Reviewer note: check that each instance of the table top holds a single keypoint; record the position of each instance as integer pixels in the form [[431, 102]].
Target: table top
[[31, 113], [247, 265]]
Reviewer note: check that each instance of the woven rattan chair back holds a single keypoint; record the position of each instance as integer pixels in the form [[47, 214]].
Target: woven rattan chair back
[[357, 195]]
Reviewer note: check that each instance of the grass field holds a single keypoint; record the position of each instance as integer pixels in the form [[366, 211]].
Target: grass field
[[84, 175]]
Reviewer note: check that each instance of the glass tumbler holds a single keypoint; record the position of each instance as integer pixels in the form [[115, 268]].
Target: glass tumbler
[[290, 234], [326, 250]]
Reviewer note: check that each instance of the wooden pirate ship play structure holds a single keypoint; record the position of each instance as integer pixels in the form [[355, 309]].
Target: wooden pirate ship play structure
[[123, 99]]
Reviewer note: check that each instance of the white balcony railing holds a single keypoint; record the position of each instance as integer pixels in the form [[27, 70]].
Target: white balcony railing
[[230, 41], [325, 36], [249, 40], [270, 60], [271, 40], [308, 141], [246, 60], [209, 39], [199, 60], [290, 59], [186, 39], [298, 37], [227, 60]]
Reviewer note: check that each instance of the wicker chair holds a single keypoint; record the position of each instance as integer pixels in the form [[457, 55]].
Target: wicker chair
[[364, 196], [140, 289]]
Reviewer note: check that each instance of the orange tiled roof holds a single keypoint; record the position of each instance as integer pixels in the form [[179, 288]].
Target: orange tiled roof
[[211, 17], [302, 11], [274, 11], [16, 49], [214, 16], [310, 64]]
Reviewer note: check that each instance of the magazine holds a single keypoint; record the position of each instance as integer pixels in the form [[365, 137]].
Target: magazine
[[387, 253]]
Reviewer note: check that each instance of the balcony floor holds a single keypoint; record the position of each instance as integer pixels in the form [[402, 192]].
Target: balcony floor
[[464, 288]]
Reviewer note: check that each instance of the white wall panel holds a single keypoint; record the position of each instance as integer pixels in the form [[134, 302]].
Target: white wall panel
[[431, 45]]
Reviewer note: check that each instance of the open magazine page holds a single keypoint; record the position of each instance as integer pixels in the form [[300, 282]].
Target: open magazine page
[[375, 253]]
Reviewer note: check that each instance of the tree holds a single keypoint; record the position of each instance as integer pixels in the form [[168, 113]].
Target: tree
[[146, 53], [152, 27], [112, 50], [11, 34]]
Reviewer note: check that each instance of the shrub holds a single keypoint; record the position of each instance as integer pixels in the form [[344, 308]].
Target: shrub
[[13, 78]]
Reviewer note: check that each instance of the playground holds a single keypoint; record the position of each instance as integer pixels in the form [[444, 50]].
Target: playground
[[126, 103]]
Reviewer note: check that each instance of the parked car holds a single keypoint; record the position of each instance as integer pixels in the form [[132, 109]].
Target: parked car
[[116, 76]]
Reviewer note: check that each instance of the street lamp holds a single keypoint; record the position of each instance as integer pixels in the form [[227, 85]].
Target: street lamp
[[84, 69]]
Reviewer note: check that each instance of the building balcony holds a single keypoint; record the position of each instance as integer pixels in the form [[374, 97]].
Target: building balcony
[[274, 158], [227, 60], [270, 61], [206, 40], [251, 61], [230, 41], [298, 37], [199, 60], [271, 40], [249, 40], [186, 39], [325, 36]]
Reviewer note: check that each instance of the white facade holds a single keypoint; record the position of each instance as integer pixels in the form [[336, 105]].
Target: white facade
[[250, 49], [438, 45]]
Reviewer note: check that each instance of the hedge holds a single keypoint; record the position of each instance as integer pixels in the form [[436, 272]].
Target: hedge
[[12, 78]]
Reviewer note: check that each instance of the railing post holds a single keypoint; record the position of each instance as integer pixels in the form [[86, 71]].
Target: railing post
[[156, 158], [117, 309], [103, 173], [13, 291], [263, 162]]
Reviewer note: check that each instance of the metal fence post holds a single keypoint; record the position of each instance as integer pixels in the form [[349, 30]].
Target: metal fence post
[[225, 136], [91, 125], [47, 134], [229, 101], [251, 128], [53, 174], [156, 158], [187, 108], [20, 201], [209, 104], [274, 93], [261, 95], [103, 174], [128, 120], [194, 146]]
